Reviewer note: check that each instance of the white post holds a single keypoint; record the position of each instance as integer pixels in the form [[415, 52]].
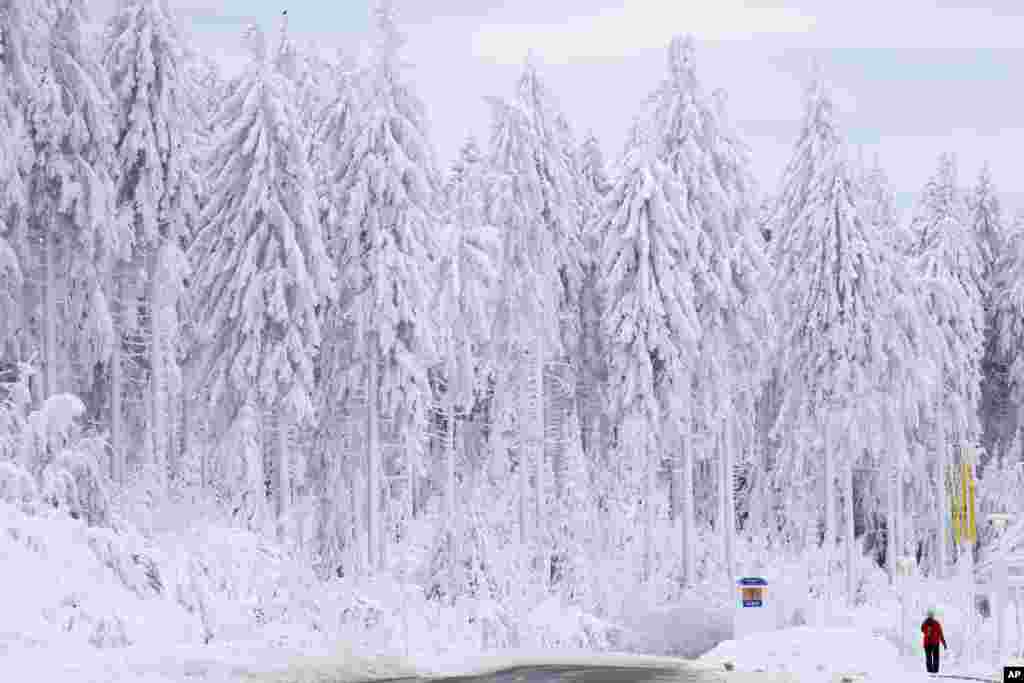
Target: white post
[[1000, 588], [1000, 577], [967, 577]]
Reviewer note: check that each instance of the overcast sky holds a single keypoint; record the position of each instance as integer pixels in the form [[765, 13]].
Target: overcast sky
[[911, 78]]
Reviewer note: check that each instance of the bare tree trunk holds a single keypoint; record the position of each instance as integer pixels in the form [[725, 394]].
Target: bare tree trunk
[[687, 512], [186, 426], [537, 435], [524, 460], [650, 460], [537, 439], [828, 491], [373, 526], [851, 570], [900, 525], [449, 488], [941, 466], [283, 487], [50, 316], [451, 522], [411, 471], [117, 452], [891, 546], [828, 494], [728, 497], [158, 428]]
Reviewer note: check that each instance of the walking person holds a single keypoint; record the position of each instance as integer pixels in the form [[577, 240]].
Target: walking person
[[933, 636]]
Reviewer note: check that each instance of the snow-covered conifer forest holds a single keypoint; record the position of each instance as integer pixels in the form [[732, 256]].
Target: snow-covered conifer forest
[[270, 373]]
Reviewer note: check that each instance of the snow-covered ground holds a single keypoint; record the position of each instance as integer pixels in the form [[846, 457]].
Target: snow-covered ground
[[206, 602], [210, 603], [828, 655]]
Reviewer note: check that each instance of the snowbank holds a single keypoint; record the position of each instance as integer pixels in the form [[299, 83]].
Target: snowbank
[[813, 655], [686, 629], [95, 604]]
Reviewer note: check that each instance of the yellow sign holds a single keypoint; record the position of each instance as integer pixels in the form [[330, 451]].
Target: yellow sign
[[962, 488]]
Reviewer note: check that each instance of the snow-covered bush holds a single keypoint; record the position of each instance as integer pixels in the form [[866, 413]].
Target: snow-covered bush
[[44, 458]]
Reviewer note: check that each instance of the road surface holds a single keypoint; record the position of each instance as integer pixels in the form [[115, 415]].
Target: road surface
[[582, 674]]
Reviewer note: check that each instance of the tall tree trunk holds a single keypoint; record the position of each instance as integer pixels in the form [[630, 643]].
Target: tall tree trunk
[[649, 459], [158, 429], [187, 454], [360, 526], [942, 517], [525, 449], [117, 451], [537, 439], [50, 316], [411, 472], [283, 488], [728, 497], [828, 494], [373, 526], [851, 569], [449, 488], [451, 523], [891, 533], [687, 510]]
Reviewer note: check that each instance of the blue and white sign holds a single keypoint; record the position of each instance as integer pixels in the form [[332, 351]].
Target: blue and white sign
[[753, 613]]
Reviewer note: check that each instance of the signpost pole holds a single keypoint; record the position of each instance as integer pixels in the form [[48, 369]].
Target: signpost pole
[[1000, 582]]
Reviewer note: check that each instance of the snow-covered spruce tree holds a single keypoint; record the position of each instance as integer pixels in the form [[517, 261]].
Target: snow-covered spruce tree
[[70, 232], [880, 207], [526, 324], [382, 240], [832, 289], [332, 128], [156, 203], [207, 90], [556, 155], [985, 215], [914, 347], [532, 200], [560, 208], [651, 325], [1008, 298], [950, 266], [469, 261], [261, 268], [16, 82], [592, 377], [342, 410], [694, 138]]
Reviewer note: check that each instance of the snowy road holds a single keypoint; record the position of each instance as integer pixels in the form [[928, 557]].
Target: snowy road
[[583, 674]]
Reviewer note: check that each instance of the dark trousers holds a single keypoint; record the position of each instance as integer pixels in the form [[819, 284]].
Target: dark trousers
[[931, 658]]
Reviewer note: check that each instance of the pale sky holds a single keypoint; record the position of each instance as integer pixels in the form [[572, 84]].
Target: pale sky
[[912, 79]]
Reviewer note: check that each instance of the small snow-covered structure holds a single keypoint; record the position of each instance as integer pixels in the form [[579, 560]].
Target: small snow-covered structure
[[755, 611]]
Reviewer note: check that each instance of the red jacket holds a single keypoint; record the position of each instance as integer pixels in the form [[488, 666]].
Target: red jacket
[[932, 631]]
